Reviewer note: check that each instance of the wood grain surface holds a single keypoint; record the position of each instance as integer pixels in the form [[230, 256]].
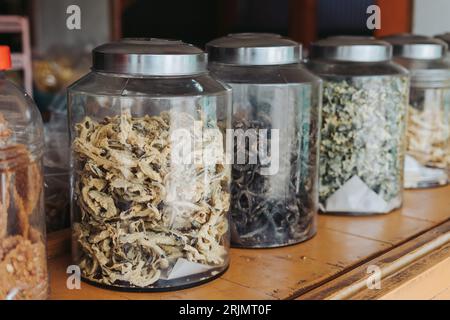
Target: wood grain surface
[[342, 245]]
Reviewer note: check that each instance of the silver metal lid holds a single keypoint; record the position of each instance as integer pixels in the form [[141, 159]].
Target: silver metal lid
[[254, 49], [351, 49], [149, 57], [444, 37], [418, 47]]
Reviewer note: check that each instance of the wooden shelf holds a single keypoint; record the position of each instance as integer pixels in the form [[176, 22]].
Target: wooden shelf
[[324, 267]]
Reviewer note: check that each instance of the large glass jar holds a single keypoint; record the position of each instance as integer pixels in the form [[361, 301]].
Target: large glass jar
[[362, 149], [276, 116], [428, 115], [23, 258], [446, 38], [150, 186]]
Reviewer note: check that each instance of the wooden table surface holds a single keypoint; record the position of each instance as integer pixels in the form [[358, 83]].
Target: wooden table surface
[[340, 246]]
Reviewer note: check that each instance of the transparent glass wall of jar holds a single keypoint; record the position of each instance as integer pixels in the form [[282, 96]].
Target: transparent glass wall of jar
[[446, 38], [428, 115], [276, 116], [363, 136], [150, 187], [23, 257]]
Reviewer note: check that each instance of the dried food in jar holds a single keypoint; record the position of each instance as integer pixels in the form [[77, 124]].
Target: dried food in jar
[[23, 263], [448, 158], [56, 171], [428, 130], [363, 144], [275, 210], [143, 213], [57, 199], [427, 138]]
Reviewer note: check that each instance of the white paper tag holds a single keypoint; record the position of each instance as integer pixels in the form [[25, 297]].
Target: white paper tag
[[184, 268], [416, 174], [356, 196]]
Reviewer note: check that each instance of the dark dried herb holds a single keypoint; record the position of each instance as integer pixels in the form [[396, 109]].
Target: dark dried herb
[[262, 217], [141, 212]]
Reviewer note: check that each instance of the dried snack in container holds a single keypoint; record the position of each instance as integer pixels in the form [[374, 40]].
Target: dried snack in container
[[141, 213], [276, 116], [150, 193], [23, 258], [273, 203], [57, 173], [363, 131], [427, 137], [446, 38], [363, 143], [428, 133]]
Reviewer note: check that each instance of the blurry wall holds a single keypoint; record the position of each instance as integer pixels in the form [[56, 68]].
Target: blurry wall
[[263, 16], [191, 21], [49, 24], [200, 21], [431, 17], [342, 17]]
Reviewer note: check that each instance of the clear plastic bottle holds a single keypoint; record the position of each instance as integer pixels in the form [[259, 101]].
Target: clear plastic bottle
[[276, 116], [150, 186], [364, 111], [23, 258], [428, 130]]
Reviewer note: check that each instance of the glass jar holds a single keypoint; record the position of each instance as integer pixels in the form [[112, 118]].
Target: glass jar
[[23, 257], [363, 136], [276, 116], [428, 115], [150, 186], [446, 38]]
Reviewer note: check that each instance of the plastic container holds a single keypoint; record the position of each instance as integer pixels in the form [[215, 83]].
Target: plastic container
[[23, 257], [428, 117], [276, 105], [150, 187], [363, 134]]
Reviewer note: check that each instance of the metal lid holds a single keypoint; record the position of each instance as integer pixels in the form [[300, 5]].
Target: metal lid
[[436, 70], [254, 49], [444, 37], [351, 49], [418, 47], [149, 57]]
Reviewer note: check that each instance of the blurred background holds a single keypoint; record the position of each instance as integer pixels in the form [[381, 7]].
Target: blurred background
[[57, 56]]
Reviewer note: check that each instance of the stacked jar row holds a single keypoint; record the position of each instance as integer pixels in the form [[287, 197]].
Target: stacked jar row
[[173, 160], [161, 158]]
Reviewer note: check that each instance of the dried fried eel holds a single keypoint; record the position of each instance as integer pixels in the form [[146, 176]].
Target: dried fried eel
[[140, 211]]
